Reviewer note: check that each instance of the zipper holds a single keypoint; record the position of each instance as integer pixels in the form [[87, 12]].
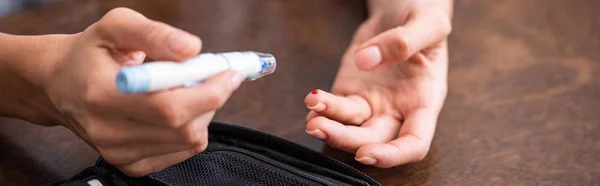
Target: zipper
[[272, 137], [276, 164]]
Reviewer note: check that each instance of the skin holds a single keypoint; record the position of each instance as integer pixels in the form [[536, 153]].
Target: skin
[[73, 86], [391, 86], [383, 105]]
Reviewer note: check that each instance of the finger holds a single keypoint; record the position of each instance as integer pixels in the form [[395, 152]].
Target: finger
[[130, 131], [129, 57], [350, 138], [154, 164], [117, 133], [135, 58], [133, 151], [425, 29], [127, 29], [412, 144], [171, 108], [348, 110], [187, 103], [311, 115]]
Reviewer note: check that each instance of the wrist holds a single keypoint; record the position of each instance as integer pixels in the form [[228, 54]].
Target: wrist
[[25, 65]]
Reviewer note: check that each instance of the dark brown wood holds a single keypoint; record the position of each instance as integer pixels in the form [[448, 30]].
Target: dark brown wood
[[522, 107]]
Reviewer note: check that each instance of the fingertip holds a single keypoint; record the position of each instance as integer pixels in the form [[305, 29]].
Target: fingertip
[[319, 107], [332, 129], [196, 46], [184, 44], [366, 160], [365, 151], [315, 123], [314, 127], [312, 97], [235, 79], [382, 155], [135, 58], [311, 115], [368, 58], [232, 78], [314, 101], [336, 134], [317, 133]]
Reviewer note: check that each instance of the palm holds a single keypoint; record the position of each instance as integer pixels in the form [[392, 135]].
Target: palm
[[398, 88], [387, 116]]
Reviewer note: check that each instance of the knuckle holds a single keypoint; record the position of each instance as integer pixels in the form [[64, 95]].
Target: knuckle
[[401, 47], [331, 109], [191, 136], [94, 99], [400, 37], [444, 22], [101, 136], [118, 12], [336, 143], [98, 139], [135, 170], [171, 113], [421, 152], [113, 16], [201, 147], [141, 167], [357, 119], [111, 157], [152, 30]]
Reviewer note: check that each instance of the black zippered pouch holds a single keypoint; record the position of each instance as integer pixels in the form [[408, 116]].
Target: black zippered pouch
[[235, 156]]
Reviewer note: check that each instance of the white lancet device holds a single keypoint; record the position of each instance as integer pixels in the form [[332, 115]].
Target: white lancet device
[[161, 75]]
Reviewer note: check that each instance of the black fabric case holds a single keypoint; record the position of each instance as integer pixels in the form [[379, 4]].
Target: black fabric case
[[236, 156]]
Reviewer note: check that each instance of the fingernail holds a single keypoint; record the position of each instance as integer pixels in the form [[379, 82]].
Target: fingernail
[[236, 80], [180, 43], [366, 160], [317, 134], [319, 107], [137, 56], [132, 63], [369, 57], [135, 59]]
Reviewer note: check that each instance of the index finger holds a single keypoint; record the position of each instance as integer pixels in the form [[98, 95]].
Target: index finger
[[126, 29], [169, 108], [412, 144]]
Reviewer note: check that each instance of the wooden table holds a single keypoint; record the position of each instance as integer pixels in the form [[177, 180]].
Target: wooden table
[[522, 108]]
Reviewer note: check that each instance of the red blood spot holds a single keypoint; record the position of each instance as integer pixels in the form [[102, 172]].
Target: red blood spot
[[314, 91]]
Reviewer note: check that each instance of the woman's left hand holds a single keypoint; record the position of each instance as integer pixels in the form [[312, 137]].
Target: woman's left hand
[[390, 88]]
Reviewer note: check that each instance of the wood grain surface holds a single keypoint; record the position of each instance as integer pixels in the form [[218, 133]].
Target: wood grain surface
[[522, 107]]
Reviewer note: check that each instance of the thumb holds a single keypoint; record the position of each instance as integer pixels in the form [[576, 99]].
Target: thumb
[[425, 29], [126, 29]]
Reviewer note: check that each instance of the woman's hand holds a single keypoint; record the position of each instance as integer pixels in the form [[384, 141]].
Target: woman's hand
[[141, 133], [390, 87]]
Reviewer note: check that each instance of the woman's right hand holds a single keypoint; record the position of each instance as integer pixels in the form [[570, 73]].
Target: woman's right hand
[[142, 133]]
